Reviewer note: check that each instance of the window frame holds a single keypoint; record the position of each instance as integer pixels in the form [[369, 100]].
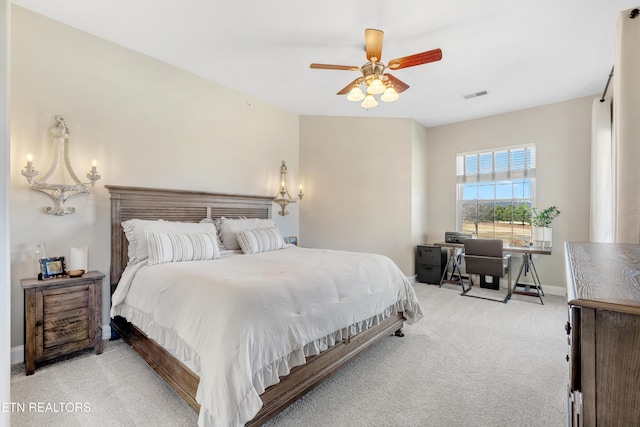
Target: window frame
[[481, 174]]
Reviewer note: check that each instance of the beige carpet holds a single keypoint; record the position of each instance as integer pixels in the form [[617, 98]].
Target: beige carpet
[[469, 362]]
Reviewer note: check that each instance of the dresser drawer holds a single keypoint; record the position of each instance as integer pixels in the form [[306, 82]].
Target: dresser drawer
[[429, 273], [431, 255]]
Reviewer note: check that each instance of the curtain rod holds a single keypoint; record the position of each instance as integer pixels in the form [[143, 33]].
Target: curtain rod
[[607, 85], [634, 13]]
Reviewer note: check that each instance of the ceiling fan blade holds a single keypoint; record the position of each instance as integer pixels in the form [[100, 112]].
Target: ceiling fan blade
[[348, 87], [335, 67], [398, 85], [417, 59], [373, 44]]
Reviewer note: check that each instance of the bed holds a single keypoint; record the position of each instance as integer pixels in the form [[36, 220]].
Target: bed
[[341, 346]]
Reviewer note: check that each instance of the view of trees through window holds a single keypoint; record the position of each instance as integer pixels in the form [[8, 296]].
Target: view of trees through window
[[510, 220], [495, 193]]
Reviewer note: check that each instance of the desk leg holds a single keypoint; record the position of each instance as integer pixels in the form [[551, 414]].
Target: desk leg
[[527, 264], [454, 261], [444, 279], [534, 274], [450, 262]]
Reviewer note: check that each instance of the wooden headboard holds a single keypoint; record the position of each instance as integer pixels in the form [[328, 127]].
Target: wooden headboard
[[172, 205]]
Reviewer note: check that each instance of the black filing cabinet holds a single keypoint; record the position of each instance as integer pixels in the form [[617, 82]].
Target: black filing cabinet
[[430, 263]]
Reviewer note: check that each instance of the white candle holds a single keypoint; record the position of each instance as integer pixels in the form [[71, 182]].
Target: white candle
[[93, 167], [29, 160]]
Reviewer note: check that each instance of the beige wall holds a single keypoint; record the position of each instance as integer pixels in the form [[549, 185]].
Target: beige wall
[[145, 122], [419, 177], [562, 134], [357, 174]]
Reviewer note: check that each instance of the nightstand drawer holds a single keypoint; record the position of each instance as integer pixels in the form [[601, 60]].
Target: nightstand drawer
[[64, 299], [66, 327]]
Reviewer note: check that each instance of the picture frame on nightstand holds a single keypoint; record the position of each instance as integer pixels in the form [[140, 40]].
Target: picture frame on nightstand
[[292, 240], [52, 267]]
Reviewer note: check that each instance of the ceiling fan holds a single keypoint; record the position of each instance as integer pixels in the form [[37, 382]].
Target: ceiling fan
[[374, 77]]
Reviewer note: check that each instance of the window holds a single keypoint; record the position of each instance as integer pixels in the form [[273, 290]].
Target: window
[[495, 193]]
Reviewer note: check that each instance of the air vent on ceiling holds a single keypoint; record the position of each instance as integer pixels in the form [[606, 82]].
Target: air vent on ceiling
[[474, 95]]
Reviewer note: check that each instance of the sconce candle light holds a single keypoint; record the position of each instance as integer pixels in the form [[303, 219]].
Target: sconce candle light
[[59, 193], [283, 198]]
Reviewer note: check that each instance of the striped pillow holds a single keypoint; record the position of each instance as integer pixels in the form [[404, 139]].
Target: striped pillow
[[228, 228], [168, 247], [260, 240]]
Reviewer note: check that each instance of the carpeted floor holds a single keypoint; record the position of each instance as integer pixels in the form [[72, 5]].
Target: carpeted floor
[[469, 362]]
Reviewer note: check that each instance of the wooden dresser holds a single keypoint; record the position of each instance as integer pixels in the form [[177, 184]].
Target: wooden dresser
[[61, 316], [603, 282]]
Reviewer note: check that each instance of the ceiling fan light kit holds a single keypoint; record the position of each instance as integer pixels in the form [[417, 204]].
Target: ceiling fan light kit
[[390, 95], [355, 94], [376, 87], [374, 79], [369, 102]]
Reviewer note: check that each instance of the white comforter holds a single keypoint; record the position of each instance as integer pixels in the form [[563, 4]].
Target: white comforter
[[244, 320]]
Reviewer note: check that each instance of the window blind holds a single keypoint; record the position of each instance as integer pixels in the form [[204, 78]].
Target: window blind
[[508, 163]]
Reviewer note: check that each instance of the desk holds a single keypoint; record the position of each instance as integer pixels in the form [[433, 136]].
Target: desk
[[456, 250]]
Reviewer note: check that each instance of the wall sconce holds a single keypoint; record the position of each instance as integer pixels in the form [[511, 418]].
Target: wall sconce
[[59, 193], [283, 198]]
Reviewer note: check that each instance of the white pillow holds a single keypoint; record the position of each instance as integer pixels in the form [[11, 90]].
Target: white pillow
[[169, 247], [260, 240], [229, 227], [134, 230], [215, 223]]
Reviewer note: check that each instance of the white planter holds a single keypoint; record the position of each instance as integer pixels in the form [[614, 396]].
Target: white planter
[[543, 236]]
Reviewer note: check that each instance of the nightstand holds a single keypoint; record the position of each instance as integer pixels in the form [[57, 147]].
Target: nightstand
[[61, 316]]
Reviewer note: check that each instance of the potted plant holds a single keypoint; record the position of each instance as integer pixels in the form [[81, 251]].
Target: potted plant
[[541, 221]]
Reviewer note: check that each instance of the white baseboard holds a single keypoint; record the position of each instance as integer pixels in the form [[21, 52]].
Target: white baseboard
[[560, 291], [17, 353], [549, 289]]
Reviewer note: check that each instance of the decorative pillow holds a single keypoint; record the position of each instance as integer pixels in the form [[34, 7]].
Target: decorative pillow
[[168, 247], [260, 240], [216, 224], [229, 227], [134, 230]]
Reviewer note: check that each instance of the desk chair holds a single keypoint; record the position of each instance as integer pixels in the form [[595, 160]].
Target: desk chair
[[486, 258]]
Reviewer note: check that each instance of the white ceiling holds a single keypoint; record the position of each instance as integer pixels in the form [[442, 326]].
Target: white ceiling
[[524, 53]]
